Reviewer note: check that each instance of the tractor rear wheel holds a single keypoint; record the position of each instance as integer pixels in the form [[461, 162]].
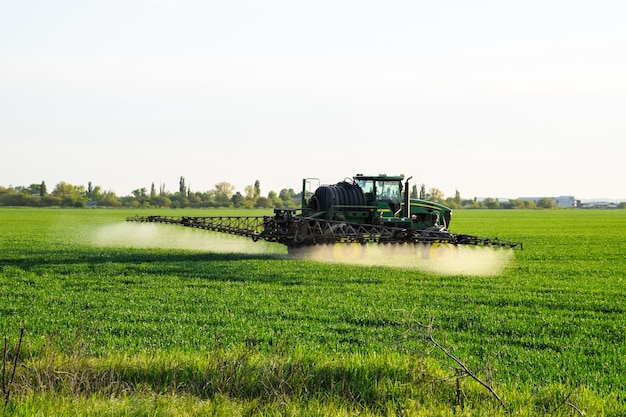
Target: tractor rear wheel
[[348, 250], [440, 251]]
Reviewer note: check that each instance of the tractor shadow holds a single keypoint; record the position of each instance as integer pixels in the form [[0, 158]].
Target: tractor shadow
[[120, 263]]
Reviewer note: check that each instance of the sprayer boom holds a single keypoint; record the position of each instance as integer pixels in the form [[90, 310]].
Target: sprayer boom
[[296, 231]]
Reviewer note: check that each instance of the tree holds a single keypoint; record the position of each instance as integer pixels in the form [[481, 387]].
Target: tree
[[70, 195], [159, 201], [42, 189], [287, 197], [457, 197], [63, 189], [194, 198], [32, 190], [451, 203], [250, 197], [273, 198], [96, 193], [19, 199], [263, 202], [257, 189], [470, 203], [50, 201], [436, 194], [414, 193], [491, 203], [152, 191], [423, 195], [223, 192], [206, 199], [237, 199], [182, 188], [517, 204], [109, 199], [139, 193], [547, 203]]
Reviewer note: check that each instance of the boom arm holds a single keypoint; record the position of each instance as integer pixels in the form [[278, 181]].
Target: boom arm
[[296, 231]]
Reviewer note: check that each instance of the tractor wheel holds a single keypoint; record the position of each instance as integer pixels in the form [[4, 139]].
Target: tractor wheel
[[352, 250], [440, 251]]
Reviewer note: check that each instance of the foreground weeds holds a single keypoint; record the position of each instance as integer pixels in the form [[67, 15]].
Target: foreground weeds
[[241, 382]]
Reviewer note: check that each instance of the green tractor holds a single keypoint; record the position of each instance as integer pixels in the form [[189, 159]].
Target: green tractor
[[361, 210], [377, 200]]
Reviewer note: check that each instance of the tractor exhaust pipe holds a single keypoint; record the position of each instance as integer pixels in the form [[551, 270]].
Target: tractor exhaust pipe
[[407, 198]]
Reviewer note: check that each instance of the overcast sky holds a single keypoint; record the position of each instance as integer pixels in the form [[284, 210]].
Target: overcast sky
[[490, 98]]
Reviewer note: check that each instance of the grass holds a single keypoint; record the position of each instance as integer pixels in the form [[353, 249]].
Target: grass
[[152, 319]]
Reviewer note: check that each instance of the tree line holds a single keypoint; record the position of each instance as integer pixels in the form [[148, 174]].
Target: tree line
[[222, 195]]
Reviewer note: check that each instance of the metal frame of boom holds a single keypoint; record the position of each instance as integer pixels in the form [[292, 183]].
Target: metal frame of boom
[[296, 231]]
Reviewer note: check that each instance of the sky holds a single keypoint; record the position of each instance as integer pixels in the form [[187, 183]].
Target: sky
[[499, 99]]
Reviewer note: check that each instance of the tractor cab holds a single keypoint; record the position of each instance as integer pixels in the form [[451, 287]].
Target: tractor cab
[[382, 191], [398, 209]]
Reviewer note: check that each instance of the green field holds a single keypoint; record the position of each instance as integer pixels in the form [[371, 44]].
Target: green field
[[143, 319]]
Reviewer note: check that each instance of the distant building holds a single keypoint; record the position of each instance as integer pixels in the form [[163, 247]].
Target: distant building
[[565, 201], [562, 201], [599, 205]]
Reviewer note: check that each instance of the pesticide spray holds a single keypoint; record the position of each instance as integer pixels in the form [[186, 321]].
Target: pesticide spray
[[437, 259], [132, 235]]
